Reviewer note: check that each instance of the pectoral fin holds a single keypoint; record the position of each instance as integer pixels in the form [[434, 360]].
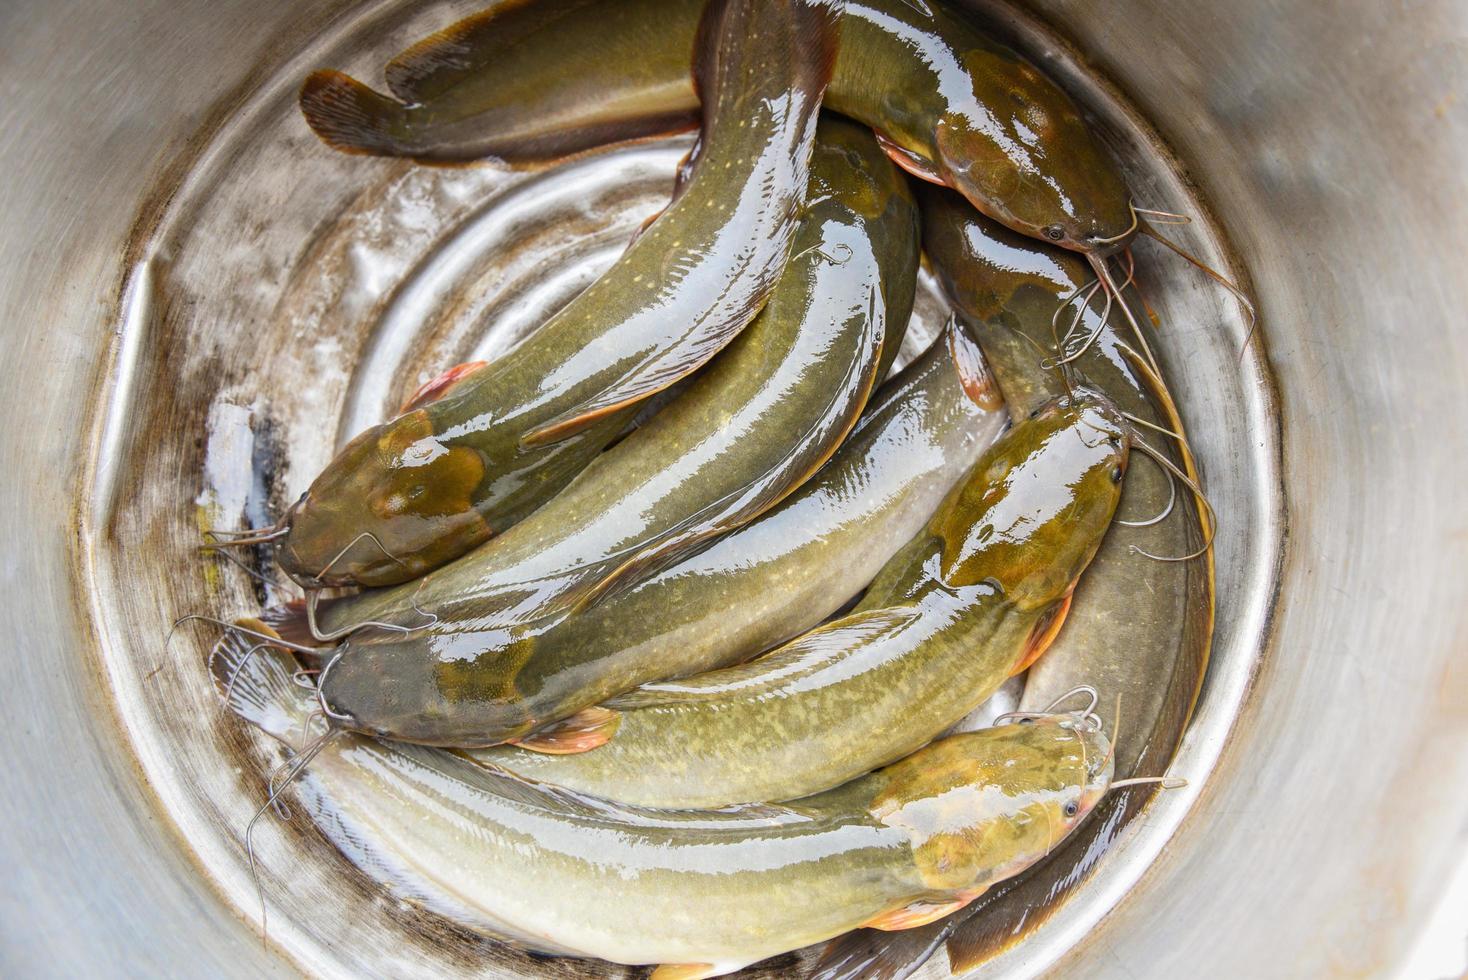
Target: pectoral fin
[[973, 373], [686, 971], [587, 729], [910, 161], [436, 388], [1044, 633], [916, 914], [288, 621]]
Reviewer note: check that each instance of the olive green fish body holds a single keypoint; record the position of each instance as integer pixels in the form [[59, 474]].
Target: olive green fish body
[[541, 80], [427, 486], [568, 874], [755, 587], [951, 616], [766, 414], [747, 733], [1139, 629], [1129, 625]]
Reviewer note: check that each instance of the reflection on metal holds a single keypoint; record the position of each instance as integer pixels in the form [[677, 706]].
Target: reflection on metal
[[360, 278], [1313, 836], [132, 330]]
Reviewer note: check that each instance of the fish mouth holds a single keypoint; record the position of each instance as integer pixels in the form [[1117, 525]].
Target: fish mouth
[[291, 563], [1101, 247]]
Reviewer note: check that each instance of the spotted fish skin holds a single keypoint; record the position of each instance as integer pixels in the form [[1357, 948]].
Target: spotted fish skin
[[572, 875], [972, 599], [413, 493]]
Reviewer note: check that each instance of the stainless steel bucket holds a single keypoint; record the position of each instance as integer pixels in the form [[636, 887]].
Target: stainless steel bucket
[[1327, 142]]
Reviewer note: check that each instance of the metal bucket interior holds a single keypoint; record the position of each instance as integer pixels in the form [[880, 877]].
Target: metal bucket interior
[[1323, 819]]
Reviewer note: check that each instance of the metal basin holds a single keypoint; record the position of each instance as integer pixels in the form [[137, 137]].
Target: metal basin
[[1323, 827]]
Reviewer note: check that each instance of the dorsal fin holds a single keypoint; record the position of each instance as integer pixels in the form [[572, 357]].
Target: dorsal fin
[[430, 67]]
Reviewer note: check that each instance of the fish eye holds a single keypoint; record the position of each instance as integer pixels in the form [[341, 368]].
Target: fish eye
[[1116, 473], [1071, 808], [1055, 233], [1115, 440]]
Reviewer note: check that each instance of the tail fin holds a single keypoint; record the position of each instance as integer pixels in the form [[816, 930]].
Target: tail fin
[[256, 681], [351, 117], [289, 622]]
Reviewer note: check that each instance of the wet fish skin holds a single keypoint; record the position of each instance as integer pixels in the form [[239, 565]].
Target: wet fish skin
[[760, 585], [1129, 625], [417, 491], [766, 414], [965, 604], [567, 874], [528, 83], [1139, 629]]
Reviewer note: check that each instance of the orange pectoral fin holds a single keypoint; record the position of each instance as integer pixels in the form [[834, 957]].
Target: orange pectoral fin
[[1044, 633], [973, 373], [436, 388], [685, 971], [910, 161], [587, 729], [915, 914]]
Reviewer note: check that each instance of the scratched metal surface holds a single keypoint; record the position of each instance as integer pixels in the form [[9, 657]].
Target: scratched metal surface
[[1315, 151], [1329, 140]]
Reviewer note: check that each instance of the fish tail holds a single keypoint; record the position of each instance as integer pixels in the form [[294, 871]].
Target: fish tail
[[256, 681], [351, 117], [290, 622]]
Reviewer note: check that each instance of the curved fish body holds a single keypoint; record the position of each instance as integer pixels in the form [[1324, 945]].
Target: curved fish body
[[1135, 621], [770, 580], [415, 492], [768, 412], [711, 892], [1138, 629], [967, 603], [530, 82]]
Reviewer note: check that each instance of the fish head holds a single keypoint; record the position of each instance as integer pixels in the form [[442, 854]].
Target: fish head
[[984, 265], [386, 509], [1035, 507], [1020, 151], [982, 806], [430, 687]]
